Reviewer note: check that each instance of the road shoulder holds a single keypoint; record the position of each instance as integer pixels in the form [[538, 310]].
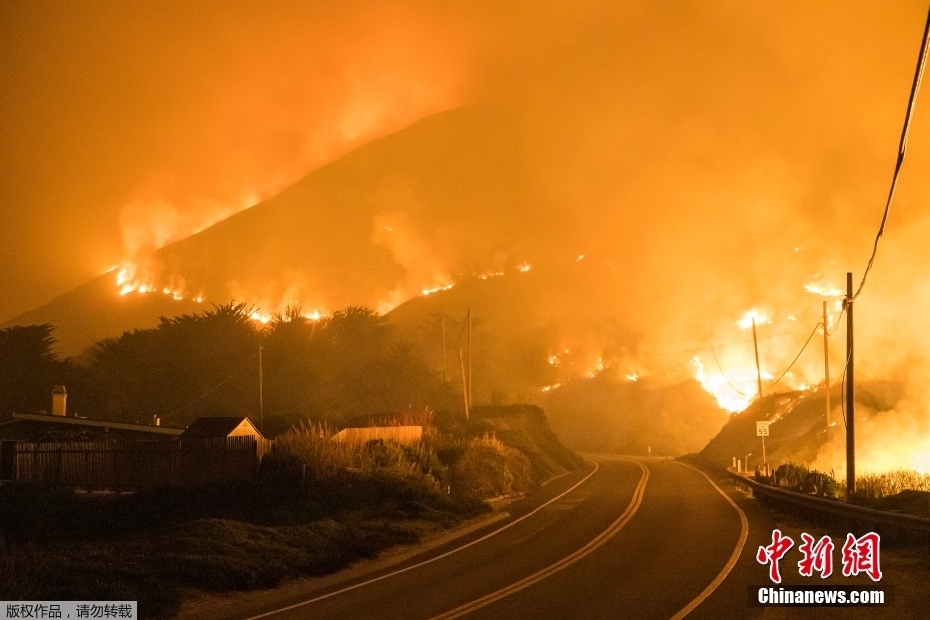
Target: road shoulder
[[207, 606]]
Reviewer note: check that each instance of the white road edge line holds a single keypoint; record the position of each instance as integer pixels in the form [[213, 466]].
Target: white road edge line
[[565, 562], [744, 532], [431, 560]]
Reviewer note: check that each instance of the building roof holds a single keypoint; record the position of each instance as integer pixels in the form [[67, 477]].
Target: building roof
[[85, 422], [221, 426]]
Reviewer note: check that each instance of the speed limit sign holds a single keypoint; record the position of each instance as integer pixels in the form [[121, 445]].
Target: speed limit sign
[[762, 429]]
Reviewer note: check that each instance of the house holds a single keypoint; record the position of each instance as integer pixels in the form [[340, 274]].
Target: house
[[59, 426], [222, 427], [44, 427], [221, 449]]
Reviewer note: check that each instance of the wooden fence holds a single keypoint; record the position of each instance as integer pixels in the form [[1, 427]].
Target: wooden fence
[[400, 434], [134, 465]]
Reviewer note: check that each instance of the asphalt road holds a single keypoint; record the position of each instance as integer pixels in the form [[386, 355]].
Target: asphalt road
[[624, 539]]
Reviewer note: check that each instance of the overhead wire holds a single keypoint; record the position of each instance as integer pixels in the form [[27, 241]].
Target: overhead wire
[[215, 387], [843, 386], [644, 355], [839, 322], [902, 149], [809, 338], [738, 391]]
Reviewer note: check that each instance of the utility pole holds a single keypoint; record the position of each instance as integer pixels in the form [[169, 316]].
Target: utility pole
[[850, 392], [261, 403], [755, 344], [464, 386], [826, 366], [443, 348], [470, 393]]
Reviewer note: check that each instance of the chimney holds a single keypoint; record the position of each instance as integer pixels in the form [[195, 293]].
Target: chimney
[[59, 400]]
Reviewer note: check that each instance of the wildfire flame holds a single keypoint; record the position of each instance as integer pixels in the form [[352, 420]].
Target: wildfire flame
[[822, 290], [726, 395], [436, 289], [747, 320]]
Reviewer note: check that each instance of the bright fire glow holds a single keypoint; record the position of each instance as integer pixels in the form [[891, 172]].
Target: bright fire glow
[[633, 376], [746, 321], [262, 317], [524, 267], [921, 463], [548, 388], [823, 290], [719, 386], [436, 289], [128, 281]]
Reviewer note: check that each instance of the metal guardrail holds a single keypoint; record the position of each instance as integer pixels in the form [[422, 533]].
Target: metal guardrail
[[881, 521]]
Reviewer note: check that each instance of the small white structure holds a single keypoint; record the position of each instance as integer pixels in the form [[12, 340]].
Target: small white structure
[[59, 400], [221, 427]]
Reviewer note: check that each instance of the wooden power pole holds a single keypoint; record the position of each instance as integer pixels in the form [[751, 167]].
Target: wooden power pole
[[850, 392], [464, 385], [443, 348], [755, 344], [826, 366], [261, 387], [470, 393]]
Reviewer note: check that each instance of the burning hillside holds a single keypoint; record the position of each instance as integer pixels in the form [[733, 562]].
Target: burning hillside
[[613, 218]]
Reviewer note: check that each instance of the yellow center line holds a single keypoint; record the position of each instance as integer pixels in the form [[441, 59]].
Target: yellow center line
[[565, 562]]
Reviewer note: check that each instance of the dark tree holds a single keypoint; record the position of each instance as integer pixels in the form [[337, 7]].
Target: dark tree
[[29, 368]]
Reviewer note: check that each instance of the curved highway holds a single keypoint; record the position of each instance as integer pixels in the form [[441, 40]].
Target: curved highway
[[625, 538]]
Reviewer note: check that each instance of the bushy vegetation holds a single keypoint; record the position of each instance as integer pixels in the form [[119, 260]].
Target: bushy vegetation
[[464, 469], [799, 478]]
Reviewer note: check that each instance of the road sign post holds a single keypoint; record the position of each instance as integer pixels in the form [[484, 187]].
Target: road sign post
[[762, 430]]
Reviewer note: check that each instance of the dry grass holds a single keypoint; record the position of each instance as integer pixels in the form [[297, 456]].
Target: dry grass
[[325, 459], [874, 486]]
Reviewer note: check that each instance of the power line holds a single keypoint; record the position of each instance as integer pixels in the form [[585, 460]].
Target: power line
[[843, 386], [816, 327], [215, 387], [839, 322], [720, 346], [725, 378], [902, 148], [644, 355]]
